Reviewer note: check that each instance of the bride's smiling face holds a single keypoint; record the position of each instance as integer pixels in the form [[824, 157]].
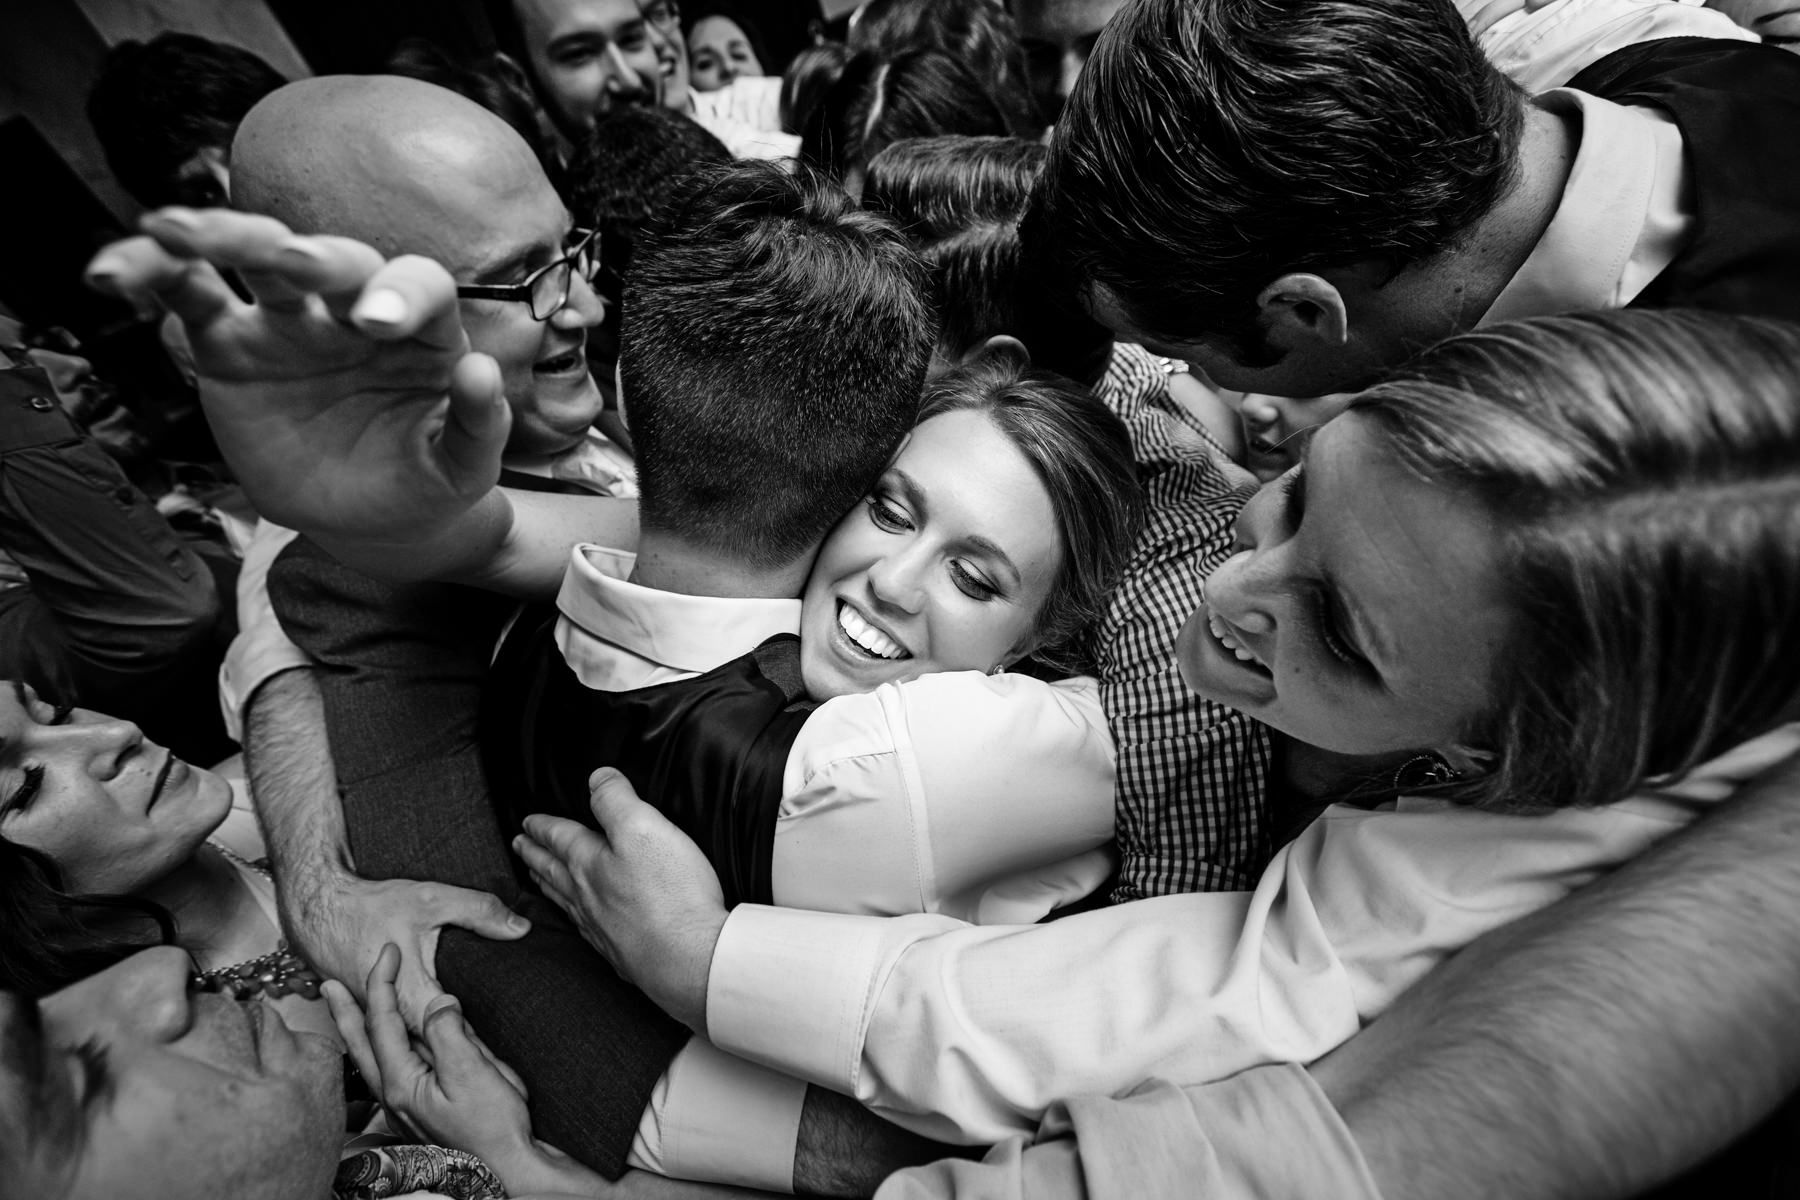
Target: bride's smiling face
[[1363, 609], [945, 565], [112, 811]]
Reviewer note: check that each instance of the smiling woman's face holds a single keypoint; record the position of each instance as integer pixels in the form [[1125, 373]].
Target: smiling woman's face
[[114, 813], [945, 565], [1362, 612]]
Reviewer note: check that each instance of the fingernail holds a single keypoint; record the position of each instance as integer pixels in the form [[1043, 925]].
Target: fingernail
[[384, 306], [441, 1004], [300, 254], [518, 924]]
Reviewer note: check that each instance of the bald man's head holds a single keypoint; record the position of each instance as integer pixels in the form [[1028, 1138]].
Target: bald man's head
[[413, 168]]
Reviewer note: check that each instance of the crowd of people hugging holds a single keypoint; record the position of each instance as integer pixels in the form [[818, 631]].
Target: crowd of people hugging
[[1062, 599]]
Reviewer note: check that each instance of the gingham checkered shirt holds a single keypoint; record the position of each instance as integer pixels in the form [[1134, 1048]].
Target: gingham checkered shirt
[[1192, 773]]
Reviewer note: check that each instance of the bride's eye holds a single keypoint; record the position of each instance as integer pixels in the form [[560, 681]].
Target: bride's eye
[[886, 516]]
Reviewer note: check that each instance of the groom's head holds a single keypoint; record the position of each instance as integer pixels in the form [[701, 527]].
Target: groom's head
[[772, 352]]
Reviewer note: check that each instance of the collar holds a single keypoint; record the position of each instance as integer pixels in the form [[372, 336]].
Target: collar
[[670, 631], [1624, 214]]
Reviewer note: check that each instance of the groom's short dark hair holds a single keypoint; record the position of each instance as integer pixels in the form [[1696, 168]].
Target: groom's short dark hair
[[772, 353]]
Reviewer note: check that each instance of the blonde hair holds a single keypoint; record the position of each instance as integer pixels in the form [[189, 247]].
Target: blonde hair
[[1643, 469]]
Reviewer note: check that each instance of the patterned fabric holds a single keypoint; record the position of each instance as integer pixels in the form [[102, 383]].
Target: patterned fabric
[[1192, 773], [397, 1170]]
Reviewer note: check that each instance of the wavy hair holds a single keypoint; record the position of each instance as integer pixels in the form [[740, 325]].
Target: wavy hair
[[51, 937], [1643, 469]]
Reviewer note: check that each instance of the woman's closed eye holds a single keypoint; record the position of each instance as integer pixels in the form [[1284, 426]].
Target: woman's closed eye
[[887, 515], [971, 584], [33, 780]]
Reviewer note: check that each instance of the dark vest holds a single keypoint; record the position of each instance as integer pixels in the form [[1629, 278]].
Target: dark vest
[[1737, 105], [708, 752]]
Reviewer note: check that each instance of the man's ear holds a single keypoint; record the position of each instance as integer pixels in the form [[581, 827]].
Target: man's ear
[[1001, 345], [1302, 310], [511, 73]]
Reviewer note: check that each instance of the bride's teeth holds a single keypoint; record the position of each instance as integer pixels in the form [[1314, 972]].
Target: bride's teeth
[[867, 636]]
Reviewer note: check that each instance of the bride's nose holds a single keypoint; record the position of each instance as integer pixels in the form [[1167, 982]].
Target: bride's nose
[[1237, 591]]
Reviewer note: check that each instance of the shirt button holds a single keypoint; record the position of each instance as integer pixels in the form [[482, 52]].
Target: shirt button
[[41, 403]]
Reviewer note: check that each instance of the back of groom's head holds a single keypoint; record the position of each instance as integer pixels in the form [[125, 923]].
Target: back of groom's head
[[772, 353], [1214, 145]]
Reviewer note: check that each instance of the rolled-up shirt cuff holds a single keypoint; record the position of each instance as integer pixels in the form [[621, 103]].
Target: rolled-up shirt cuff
[[792, 989], [713, 1118]]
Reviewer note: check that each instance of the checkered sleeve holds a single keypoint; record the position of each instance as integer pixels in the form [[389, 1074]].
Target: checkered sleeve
[[1191, 774]]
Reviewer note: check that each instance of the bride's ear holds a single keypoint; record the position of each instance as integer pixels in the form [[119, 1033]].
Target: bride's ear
[[1467, 761]]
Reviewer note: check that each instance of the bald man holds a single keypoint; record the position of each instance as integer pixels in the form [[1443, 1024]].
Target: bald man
[[378, 693]]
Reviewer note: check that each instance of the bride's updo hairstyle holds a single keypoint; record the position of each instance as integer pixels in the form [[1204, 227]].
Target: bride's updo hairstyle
[[1081, 453], [1642, 470]]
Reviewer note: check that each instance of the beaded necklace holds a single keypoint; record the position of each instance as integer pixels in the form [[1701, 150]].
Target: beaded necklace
[[278, 973]]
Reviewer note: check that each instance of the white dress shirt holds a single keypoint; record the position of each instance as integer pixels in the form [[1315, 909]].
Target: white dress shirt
[[985, 797], [1545, 43], [969, 1033]]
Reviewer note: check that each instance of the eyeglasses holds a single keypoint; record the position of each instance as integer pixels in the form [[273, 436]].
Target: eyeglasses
[[664, 14], [546, 289]]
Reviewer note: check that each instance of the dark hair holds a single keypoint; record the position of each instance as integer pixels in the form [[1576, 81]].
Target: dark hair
[[695, 11], [979, 34], [959, 200], [625, 169], [773, 347], [1642, 470], [1212, 145], [1080, 452], [50, 937], [809, 77], [424, 60], [157, 104], [877, 102]]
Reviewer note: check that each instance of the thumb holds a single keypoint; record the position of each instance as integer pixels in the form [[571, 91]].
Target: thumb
[[611, 797], [480, 418], [483, 913]]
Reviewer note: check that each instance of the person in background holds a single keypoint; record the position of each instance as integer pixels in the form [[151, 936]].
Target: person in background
[[722, 45], [117, 612], [876, 102], [980, 34], [165, 110], [1058, 36], [744, 113], [578, 57]]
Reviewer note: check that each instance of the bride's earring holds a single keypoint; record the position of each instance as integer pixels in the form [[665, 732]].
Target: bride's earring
[[999, 669]]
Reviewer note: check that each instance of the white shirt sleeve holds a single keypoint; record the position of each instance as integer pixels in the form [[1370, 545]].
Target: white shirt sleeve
[[261, 648], [983, 797], [1544, 43], [969, 1033]]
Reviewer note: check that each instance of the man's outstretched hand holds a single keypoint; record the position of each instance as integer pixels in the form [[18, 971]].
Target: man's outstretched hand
[[641, 892], [345, 396]]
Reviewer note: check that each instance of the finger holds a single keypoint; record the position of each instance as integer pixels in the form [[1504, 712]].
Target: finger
[[144, 273], [612, 799], [417, 987], [500, 1065], [411, 297], [549, 870], [480, 418], [348, 1016], [562, 838], [393, 1051], [483, 913], [453, 1053]]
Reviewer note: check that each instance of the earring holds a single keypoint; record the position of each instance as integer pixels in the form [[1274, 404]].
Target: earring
[[1424, 771], [999, 669]]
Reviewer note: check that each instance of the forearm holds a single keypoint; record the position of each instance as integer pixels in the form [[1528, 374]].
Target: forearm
[[1602, 1045], [513, 542], [843, 1149], [294, 786]]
